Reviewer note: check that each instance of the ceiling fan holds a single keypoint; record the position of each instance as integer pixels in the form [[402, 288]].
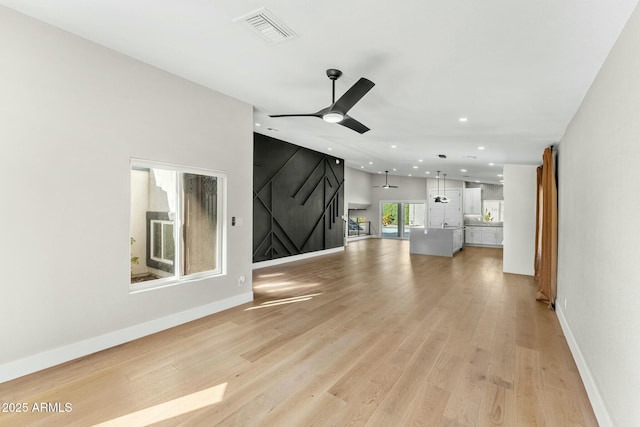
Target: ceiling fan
[[386, 182], [337, 111]]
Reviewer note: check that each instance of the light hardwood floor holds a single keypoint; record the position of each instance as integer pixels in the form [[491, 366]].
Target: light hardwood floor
[[372, 336]]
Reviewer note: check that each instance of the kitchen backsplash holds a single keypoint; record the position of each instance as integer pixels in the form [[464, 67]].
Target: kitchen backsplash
[[489, 191]]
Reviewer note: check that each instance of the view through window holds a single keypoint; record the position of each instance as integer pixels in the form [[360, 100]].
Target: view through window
[[176, 227]]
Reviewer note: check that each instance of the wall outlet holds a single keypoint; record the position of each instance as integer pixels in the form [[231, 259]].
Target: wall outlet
[[241, 281]]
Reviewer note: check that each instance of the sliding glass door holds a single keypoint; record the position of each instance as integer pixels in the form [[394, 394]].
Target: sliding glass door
[[390, 220], [397, 218], [414, 216]]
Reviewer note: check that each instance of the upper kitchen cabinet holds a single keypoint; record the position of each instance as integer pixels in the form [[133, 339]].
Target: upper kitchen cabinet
[[473, 201]]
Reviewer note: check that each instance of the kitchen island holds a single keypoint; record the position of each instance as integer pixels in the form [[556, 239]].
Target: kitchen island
[[436, 241]]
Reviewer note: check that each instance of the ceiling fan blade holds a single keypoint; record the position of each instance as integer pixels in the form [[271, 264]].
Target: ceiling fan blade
[[296, 115], [353, 95], [353, 124]]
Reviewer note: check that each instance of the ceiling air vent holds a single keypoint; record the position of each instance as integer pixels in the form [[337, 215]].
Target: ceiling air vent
[[265, 23]]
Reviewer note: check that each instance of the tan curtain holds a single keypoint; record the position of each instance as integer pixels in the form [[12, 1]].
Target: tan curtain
[[546, 265], [538, 251]]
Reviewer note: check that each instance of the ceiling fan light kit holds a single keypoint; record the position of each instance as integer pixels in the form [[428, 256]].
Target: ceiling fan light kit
[[337, 111], [333, 117]]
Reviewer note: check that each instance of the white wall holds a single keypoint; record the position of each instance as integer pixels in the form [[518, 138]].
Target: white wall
[[520, 212], [598, 259], [357, 188], [73, 114]]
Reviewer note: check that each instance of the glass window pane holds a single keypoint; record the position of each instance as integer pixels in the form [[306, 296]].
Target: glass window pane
[[156, 240], [200, 222], [168, 244], [153, 207]]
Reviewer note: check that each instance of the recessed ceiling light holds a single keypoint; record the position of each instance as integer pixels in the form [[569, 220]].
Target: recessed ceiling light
[[329, 148], [427, 172], [499, 174], [420, 160], [477, 180], [370, 163], [415, 167], [258, 124], [379, 171], [463, 119], [361, 167], [463, 170], [394, 169], [491, 164], [409, 174], [480, 148], [394, 146]]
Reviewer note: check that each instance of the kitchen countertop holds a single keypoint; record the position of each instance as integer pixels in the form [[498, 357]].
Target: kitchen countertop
[[484, 224]]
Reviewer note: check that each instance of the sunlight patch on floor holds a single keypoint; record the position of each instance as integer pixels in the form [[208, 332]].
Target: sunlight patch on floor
[[291, 300], [281, 288], [170, 409], [272, 285], [262, 276]]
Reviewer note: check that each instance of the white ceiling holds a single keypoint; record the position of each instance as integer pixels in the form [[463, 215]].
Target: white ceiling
[[518, 69]]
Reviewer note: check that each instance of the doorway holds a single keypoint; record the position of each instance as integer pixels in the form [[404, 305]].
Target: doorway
[[398, 218]]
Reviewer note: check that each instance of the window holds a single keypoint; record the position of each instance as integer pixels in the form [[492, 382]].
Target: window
[[176, 224]]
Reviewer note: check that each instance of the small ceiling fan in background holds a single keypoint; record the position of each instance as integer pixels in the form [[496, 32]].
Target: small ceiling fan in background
[[337, 111], [386, 182]]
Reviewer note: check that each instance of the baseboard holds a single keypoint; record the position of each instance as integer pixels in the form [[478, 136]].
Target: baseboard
[[597, 403], [284, 260], [56, 356]]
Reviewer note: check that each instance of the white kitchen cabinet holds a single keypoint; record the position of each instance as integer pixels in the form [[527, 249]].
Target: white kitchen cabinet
[[450, 213], [458, 239], [473, 235], [492, 236], [486, 236], [489, 236], [473, 201]]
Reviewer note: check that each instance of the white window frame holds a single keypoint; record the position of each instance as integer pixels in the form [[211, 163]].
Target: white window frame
[[221, 264]]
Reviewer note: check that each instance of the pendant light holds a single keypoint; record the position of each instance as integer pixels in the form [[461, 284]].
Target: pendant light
[[438, 199], [444, 190]]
